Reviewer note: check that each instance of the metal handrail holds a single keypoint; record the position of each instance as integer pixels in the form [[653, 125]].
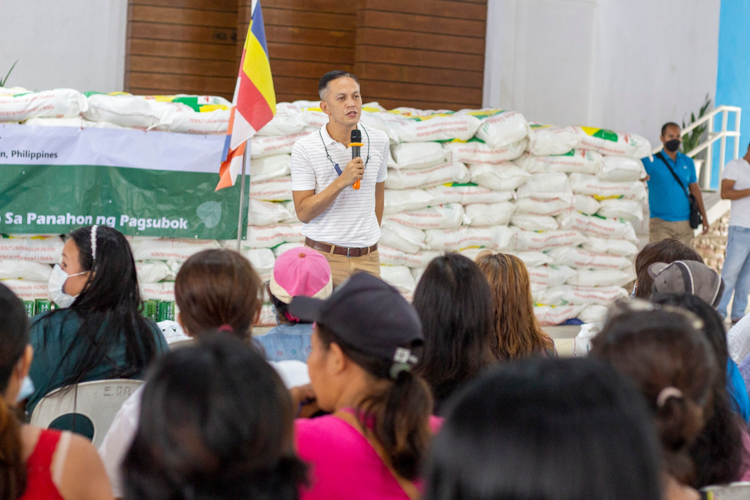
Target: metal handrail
[[712, 137]]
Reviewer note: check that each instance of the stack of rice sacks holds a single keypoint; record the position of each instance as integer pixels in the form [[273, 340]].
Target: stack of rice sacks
[[560, 198]]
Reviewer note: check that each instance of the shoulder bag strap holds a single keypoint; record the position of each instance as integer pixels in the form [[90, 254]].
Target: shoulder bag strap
[[661, 157], [408, 486]]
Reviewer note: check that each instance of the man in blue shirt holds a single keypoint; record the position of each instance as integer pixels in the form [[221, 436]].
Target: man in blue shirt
[[668, 199]]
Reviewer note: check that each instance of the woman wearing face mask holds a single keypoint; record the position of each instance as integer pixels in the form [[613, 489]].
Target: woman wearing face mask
[[37, 463], [98, 333]]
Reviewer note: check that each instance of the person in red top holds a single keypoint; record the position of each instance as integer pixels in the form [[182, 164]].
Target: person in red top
[[38, 464], [364, 346]]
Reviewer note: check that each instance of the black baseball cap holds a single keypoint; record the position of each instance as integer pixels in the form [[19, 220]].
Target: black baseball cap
[[367, 314]]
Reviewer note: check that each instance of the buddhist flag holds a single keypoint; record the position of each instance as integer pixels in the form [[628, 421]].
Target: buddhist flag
[[254, 102]]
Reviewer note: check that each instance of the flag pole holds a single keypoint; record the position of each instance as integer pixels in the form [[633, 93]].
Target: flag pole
[[242, 200]]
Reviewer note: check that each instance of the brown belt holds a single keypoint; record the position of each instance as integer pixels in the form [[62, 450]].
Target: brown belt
[[349, 252]]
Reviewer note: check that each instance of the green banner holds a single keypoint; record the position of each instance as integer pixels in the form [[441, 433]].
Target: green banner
[[56, 179]]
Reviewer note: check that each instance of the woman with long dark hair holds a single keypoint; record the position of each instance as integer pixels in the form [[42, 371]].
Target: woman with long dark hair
[[719, 452], [517, 331], [563, 429], [37, 464], [663, 351], [454, 302], [215, 423], [364, 346], [98, 333]]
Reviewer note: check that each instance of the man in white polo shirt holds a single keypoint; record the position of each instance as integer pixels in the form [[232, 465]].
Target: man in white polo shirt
[[735, 186], [341, 222]]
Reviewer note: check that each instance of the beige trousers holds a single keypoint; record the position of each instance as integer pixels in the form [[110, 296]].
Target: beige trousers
[[660, 229], [342, 266]]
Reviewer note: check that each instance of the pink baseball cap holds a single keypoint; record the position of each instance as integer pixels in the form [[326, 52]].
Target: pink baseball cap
[[301, 271]]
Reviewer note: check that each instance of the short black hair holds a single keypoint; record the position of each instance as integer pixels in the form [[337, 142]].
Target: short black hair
[[564, 420], [331, 76], [667, 125]]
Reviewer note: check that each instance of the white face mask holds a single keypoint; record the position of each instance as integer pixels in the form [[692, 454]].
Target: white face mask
[[55, 287], [27, 389]]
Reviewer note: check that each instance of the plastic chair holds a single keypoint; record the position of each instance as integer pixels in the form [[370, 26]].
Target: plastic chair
[[733, 491], [87, 408]]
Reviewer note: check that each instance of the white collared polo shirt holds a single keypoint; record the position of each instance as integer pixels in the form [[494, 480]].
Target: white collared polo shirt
[[350, 220]]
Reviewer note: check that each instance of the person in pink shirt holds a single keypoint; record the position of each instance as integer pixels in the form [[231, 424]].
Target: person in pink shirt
[[364, 346]]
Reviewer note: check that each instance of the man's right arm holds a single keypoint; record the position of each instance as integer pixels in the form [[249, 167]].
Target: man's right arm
[[729, 193], [309, 205]]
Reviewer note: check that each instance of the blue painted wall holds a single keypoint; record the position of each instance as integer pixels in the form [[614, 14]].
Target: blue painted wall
[[733, 78]]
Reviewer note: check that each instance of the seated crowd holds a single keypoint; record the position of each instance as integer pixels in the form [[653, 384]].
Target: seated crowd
[[359, 394]]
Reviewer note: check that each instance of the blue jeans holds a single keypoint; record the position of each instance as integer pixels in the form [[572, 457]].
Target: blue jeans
[[736, 272]]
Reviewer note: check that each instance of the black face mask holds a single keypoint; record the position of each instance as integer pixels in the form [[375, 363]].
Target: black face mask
[[672, 145]]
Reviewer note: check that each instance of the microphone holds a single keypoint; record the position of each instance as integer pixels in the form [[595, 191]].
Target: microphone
[[356, 143]]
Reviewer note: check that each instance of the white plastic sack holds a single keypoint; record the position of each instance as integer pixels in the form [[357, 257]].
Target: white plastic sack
[[187, 121], [490, 214], [554, 182], [550, 140], [394, 257], [274, 190], [621, 209], [593, 314], [566, 294], [270, 167], [536, 291], [542, 204], [406, 199], [532, 258], [585, 204], [609, 142], [467, 195], [262, 260], [439, 127], [416, 155], [152, 271], [417, 274], [551, 275], [374, 120], [534, 222], [270, 236], [500, 127], [579, 258], [503, 177], [265, 146], [167, 249], [58, 103], [447, 216], [576, 161], [44, 249], [266, 213], [27, 290], [292, 219], [491, 238], [612, 246], [286, 121], [589, 330], [400, 237], [126, 110], [600, 189], [547, 240], [428, 177], [598, 226], [621, 169], [314, 117], [19, 269], [157, 291], [399, 277], [554, 315], [604, 277], [475, 151]]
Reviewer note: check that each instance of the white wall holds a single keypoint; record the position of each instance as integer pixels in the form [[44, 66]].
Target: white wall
[[77, 44], [629, 65]]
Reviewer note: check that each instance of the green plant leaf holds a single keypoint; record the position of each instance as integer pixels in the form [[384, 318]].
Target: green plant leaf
[[4, 80]]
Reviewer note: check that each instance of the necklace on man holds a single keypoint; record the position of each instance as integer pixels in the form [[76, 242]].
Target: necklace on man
[[336, 165]]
